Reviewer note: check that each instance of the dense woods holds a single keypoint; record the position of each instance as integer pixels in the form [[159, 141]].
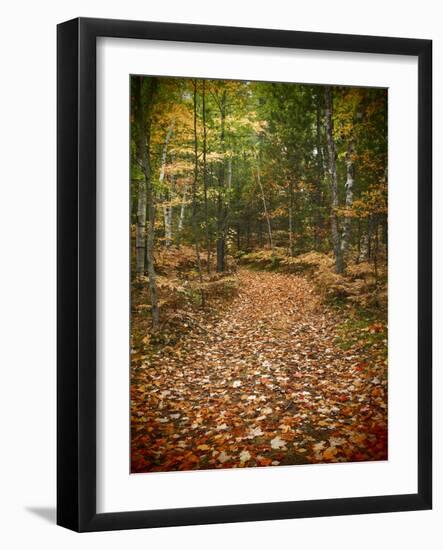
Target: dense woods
[[242, 188]]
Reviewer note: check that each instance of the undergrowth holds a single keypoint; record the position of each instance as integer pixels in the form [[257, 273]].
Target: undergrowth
[[358, 297]]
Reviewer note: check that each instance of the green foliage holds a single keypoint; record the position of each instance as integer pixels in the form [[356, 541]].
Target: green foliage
[[251, 179]]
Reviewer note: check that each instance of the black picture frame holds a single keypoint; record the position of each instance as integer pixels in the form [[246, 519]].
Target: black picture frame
[[76, 265]]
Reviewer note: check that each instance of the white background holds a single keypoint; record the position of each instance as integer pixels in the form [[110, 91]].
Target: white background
[[116, 489], [27, 292]]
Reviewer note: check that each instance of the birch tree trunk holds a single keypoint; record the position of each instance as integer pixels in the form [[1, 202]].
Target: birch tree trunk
[[182, 210], [167, 209], [265, 208], [227, 204], [167, 217], [350, 177], [335, 235], [167, 213], [145, 91]]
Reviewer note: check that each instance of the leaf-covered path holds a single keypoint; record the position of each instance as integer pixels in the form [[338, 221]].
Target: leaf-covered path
[[262, 384]]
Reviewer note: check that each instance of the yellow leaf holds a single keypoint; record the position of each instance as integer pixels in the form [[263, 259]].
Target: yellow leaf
[[330, 453]]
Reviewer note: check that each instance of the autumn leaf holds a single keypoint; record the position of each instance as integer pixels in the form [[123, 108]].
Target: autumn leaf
[[329, 453], [223, 426], [336, 441], [260, 374], [223, 457], [255, 432], [318, 447], [245, 456], [278, 443]]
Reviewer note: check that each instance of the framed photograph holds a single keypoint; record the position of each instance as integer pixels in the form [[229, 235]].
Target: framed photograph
[[244, 274]]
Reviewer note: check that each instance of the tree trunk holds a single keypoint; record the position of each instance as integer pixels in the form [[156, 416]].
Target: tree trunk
[[168, 213], [194, 201], [376, 249], [335, 235], [141, 229], [350, 176], [320, 176], [237, 212], [182, 212], [385, 236], [205, 181], [144, 95], [140, 236], [265, 209], [221, 185], [150, 257], [260, 234], [167, 209], [385, 220], [369, 249], [227, 205], [290, 211], [220, 254]]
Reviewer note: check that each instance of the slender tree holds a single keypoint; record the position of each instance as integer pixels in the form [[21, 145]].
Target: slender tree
[[182, 212], [335, 234], [145, 91], [349, 161], [265, 208], [194, 200], [167, 206], [320, 169], [221, 189], [205, 180]]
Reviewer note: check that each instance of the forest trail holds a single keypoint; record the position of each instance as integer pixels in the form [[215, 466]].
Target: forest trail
[[262, 385]]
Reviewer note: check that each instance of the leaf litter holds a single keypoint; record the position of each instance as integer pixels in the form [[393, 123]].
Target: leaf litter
[[260, 382]]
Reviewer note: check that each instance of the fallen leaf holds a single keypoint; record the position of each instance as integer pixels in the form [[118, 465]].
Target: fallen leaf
[[277, 443], [223, 457], [330, 453], [245, 456], [223, 426]]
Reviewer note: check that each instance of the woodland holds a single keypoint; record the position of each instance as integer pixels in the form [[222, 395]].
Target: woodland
[[259, 248]]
